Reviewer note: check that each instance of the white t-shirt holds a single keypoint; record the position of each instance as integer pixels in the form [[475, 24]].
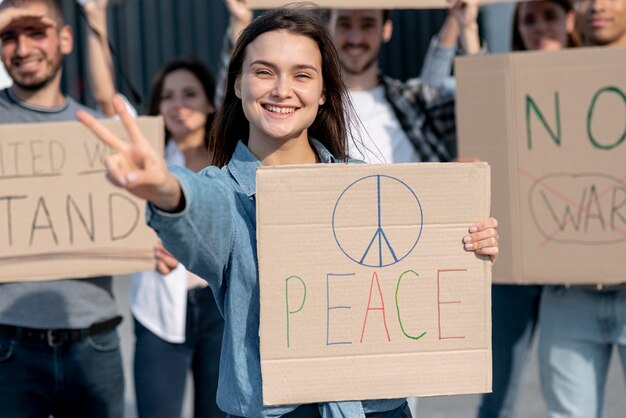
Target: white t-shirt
[[5, 80], [378, 136], [159, 302]]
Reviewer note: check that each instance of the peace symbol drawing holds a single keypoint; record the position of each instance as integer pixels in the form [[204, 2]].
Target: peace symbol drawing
[[377, 221]]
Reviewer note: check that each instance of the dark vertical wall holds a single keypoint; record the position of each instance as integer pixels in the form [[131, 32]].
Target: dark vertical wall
[[147, 33]]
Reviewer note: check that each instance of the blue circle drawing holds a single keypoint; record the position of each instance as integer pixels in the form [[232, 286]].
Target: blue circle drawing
[[378, 251]]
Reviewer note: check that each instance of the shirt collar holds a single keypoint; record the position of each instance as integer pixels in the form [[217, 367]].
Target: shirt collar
[[243, 164], [56, 109]]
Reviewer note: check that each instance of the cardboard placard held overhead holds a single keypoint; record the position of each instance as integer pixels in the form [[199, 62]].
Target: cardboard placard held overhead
[[59, 215], [552, 125], [366, 4], [366, 290]]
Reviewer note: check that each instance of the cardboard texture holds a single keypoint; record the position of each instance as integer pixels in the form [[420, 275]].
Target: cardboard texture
[[366, 291], [552, 126], [366, 4], [59, 215]]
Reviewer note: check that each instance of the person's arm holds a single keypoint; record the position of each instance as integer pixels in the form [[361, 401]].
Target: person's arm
[[135, 165], [460, 25], [240, 17], [466, 14], [191, 213], [100, 62]]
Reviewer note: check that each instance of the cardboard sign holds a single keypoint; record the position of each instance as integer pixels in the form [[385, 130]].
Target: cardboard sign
[[552, 125], [366, 4], [366, 291], [59, 215]]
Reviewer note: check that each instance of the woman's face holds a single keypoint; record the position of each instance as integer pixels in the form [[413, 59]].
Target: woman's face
[[280, 86], [544, 25], [184, 104]]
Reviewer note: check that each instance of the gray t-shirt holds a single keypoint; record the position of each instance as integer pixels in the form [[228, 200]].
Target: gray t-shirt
[[70, 303]]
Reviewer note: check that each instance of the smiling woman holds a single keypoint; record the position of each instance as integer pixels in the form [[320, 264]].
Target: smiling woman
[[281, 89], [284, 56], [284, 104], [546, 25]]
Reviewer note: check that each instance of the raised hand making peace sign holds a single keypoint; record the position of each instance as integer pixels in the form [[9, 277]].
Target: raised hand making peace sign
[[135, 166]]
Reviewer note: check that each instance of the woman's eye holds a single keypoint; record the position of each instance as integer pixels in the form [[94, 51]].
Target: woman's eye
[[550, 16], [529, 20]]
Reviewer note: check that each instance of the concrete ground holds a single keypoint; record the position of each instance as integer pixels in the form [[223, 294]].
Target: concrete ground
[[531, 403]]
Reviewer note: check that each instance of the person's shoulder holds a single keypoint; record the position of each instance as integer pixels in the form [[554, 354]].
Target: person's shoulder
[[415, 89], [411, 84], [5, 102], [3, 94], [9, 111], [73, 106], [389, 82]]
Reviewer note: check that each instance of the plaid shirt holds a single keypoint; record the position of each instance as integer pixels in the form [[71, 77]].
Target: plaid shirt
[[426, 115]]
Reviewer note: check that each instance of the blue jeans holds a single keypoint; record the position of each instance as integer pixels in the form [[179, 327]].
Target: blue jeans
[[74, 380], [161, 367], [579, 326], [311, 411], [515, 310]]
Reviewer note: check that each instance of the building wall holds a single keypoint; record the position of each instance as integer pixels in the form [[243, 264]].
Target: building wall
[[147, 33]]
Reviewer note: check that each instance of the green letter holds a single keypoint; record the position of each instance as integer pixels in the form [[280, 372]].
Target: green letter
[[287, 301], [398, 307], [590, 116], [530, 103]]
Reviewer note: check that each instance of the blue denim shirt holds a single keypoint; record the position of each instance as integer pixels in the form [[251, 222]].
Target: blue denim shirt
[[214, 236]]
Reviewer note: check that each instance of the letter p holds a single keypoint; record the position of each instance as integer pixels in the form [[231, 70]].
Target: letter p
[[289, 310]]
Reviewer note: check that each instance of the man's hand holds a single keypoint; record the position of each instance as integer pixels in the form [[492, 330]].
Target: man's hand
[[90, 6], [240, 16], [95, 10], [13, 16], [465, 13]]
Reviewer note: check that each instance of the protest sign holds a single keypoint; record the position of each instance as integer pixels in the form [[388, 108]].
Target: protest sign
[[366, 4], [59, 215], [552, 126], [366, 290]]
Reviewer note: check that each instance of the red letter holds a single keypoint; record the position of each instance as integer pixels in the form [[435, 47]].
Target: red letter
[[382, 308], [446, 302]]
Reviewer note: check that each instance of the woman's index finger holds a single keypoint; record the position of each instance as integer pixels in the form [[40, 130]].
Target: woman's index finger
[[101, 132], [130, 123]]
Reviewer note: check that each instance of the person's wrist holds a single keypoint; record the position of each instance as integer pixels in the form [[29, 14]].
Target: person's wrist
[[470, 27], [97, 21], [170, 195]]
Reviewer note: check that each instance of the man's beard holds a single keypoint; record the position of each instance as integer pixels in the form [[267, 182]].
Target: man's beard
[[37, 84], [360, 70]]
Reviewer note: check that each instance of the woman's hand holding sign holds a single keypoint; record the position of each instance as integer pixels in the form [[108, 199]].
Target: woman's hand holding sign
[[135, 165], [483, 238]]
